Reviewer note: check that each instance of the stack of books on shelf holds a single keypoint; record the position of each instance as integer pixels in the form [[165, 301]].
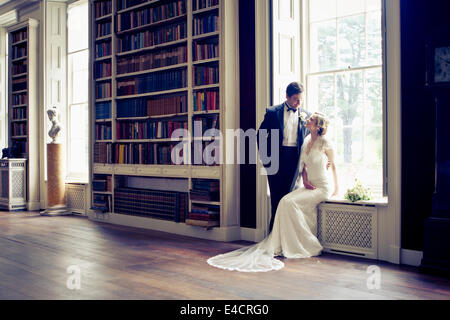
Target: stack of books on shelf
[[148, 129], [145, 153], [202, 4], [158, 81], [146, 16], [103, 153], [102, 70], [166, 205], [206, 23], [103, 8], [101, 202], [152, 60], [206, 100], [204, 215], [202, 124], [103, 29], [103, 131], [205, 75], [147, 107], [205, 190], [150, 38], [102, 183], [103, 110], [103, 90], [102, 49]]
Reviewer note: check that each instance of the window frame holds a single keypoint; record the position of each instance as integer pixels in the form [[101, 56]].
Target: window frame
[[304, 71], [72, 176]]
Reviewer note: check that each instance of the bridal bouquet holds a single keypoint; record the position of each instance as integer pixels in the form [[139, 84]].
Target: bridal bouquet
[[358, 192]]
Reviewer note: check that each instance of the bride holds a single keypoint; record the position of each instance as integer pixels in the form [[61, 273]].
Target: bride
[[295, 226]]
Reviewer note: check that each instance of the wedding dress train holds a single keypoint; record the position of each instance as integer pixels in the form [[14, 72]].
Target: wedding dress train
[[295, 225]]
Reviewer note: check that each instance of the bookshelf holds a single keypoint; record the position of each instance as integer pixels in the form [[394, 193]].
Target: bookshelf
[[159, 66], [22, 102]]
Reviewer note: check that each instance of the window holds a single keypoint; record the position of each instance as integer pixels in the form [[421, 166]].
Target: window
[[344, 81], [78, 64]]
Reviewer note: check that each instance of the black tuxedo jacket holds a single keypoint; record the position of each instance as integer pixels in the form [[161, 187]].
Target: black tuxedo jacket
[[274, 119]]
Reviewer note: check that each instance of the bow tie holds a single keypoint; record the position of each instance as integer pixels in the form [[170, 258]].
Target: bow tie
[[291, 109]]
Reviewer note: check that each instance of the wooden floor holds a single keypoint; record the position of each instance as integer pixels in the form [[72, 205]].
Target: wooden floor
[[126, 263]]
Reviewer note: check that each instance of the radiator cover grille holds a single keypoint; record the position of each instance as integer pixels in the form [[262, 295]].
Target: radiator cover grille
[[76, 197], [348, 229]]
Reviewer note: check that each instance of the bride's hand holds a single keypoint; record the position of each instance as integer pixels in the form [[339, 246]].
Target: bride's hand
[[308, 185], [335, 193]]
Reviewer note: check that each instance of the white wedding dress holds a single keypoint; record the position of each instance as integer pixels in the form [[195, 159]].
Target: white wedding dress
[[295, 225]]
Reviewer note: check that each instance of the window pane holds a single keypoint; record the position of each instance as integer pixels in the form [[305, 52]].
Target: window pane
[[78, 140], [320, 10], [351, 40], [374, 45], [78, 77], [321, 94], [349, 7], [78, 30], [323, 46]]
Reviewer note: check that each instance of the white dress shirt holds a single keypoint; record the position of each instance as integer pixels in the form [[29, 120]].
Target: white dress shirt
[[290, 127]]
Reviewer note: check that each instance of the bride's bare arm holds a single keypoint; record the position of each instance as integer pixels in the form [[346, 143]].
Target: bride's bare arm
[[330, 155]]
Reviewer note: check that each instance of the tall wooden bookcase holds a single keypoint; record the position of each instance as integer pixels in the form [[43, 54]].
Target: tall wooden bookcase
[[157, 66], [22, 102]]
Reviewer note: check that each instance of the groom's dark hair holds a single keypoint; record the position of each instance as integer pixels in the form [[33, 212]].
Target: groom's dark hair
[[294, 88]]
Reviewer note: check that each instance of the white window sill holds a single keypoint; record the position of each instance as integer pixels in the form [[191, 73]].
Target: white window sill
[[76, 180], [379, 202]]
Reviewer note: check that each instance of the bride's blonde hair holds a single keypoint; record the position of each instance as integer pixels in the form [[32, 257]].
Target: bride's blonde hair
[[321, 121]]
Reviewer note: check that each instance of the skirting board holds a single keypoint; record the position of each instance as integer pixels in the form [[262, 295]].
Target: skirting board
[[411, 257]]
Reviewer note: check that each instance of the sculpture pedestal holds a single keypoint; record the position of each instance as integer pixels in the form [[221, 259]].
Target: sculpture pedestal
[[56, 202]]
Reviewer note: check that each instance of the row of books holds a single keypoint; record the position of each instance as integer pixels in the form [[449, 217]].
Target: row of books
[[205, 190], [143, 107], [103, 131], [103, 49], [19, 113], [145, 153], [19, 129], [101, 202], [167, 205], [21, 146], [158, 81], [103, 90], [204, 75], [148, 38], [133, 19], [19, 84], [123, 4], [18, 52], [103, 8], [19, 36], [19, 99], [102, 69], [103, 29], [205, 24], [147, 61], [148, 129], [206, 100], [202, 4], [204, 153], [204, 215], [202, 51], [203, 123], [102, 183], [103, 110], [19, 68]]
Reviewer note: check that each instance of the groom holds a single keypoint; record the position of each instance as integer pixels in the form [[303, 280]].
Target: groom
[[289, 120]]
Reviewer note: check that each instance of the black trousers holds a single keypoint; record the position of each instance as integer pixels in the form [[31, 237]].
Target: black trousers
[[280, 183]]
